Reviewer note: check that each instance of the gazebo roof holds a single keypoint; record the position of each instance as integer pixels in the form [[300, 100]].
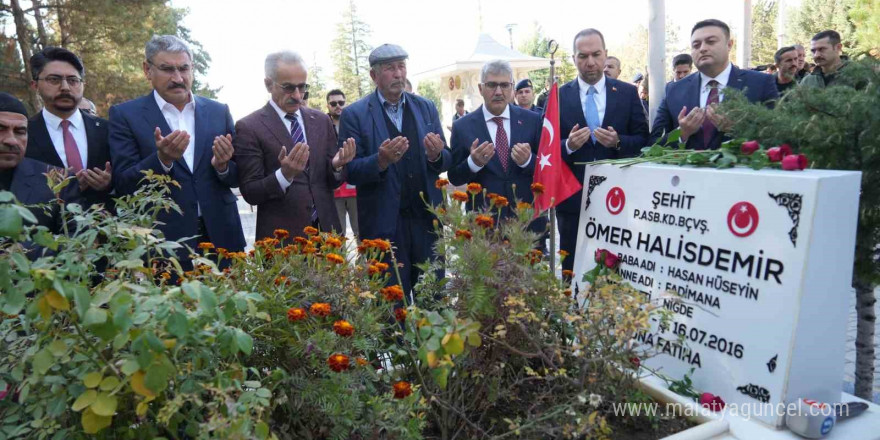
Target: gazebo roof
[[487, 49]]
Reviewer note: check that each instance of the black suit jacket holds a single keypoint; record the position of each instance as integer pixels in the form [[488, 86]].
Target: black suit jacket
[[30, 188], [41, 148]]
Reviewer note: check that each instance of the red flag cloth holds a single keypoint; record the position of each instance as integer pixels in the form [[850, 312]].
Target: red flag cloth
[[550, 170]]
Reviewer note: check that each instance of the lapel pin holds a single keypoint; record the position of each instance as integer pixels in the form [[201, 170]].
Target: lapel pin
[[613, 89], [519, 122], [97, 124]]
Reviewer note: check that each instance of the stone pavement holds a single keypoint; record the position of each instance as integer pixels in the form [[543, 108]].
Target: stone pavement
[[248, 222]]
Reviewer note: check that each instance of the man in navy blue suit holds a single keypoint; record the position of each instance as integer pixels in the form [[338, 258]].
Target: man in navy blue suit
[[401, 151], [495, 144], [690, 103], [603, 119], [171, 131]]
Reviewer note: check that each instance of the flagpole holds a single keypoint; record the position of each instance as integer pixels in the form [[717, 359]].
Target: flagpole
[[552, 46]]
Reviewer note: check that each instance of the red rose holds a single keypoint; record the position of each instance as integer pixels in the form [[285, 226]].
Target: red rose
[[775, 154], [749, 147], [786, 149], [600, 255], [4, 392], [611, 260], [711, 401], [635, 361], [794, 162]]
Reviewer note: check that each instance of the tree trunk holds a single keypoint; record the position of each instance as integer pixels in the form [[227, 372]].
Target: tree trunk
[[866, 322], [62, 23], [42, 38], [24, 43], [354, 46]]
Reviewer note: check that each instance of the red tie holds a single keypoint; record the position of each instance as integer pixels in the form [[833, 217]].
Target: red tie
[[502, 148], [74, 160], [708, 126]]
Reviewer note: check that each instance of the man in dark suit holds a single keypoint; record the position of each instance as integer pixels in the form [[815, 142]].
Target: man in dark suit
[[602, 118], [288, 163], [61, 134], [400, 153], [171, 131], [690, 103], [22, 176], [495, 145]]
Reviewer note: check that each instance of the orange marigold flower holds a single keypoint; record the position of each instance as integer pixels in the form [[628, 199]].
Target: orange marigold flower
[[537, 188], [492, 196], [563, 253], [522, 206], [567, 273], [485, 221], [362, 362], [535, 256], [333, 242], [300, 240], [310, 230], [460, 196], [222, 252], [362, 249], [165, 276], [373, 270], [309, 249], [463, 233], [441, 183], [335, 258], [343, 328], [320, 309], [474, 188], [316, 239], [382, 245], [296, 314], [338, 362], [500, 202], [400, 314], [402, 389], [281, 234], [567, 292], [206, 245], [382, 266], [392, 293], [281, 279]]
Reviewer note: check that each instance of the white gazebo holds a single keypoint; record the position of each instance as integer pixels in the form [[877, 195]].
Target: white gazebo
[[459, 80]]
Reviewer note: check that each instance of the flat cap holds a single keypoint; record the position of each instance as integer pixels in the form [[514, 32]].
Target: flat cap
[[387, 53], [11, 104], [523, 83]]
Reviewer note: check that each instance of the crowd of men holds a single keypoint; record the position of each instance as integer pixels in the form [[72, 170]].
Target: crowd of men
[[300, 166]]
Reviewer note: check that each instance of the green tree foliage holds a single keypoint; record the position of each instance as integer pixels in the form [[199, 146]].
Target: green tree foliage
[[764, 13], [536, 45], [110, 36], [430, 90], [633, 52], [351, 55], [865, 14], [317, 88], [815, 16]]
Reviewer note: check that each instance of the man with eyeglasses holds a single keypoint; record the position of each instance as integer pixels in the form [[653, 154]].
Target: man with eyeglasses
[[401, 152], [289, 162], [171, 131], [346, 195], [64, 136], [495, 145], [600, 118]]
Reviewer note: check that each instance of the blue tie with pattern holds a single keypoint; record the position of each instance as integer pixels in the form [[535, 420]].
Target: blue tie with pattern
[[591, 112], [296, 134]]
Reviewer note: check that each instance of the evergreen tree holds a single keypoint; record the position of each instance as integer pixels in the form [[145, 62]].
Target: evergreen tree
[[430, 90], [317, 88], [815, 16], [351, 55], [764, 13]]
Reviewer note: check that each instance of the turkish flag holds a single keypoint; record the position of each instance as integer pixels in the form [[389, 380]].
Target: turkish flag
[[558, 180]]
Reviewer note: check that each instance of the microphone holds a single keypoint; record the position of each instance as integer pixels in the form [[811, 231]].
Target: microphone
[[813, 419]]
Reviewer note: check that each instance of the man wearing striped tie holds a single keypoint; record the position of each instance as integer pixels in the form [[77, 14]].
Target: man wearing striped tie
[[288, 160]]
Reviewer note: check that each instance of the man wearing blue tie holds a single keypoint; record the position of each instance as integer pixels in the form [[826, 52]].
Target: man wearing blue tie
[[603, 119], [171, 131], [690, 102], [399, 155]]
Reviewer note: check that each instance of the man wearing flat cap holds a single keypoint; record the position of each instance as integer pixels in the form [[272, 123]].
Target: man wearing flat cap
[[21, 175], [400, 153], [525, 96]]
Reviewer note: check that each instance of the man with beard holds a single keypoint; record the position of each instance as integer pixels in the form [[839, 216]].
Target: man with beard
[[21, 175], [61, 134], [289, 163], [601, 118], [826, 48], [400, 153], [690, 103], [346, 195], [171, 131], [786, 68]]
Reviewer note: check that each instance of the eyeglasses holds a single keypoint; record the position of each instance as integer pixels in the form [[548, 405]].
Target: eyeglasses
[[335, 103], [291, 88], [169, 70], [55, 80], [492, 85]]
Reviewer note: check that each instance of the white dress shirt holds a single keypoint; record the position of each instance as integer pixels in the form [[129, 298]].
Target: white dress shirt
[[287, 124], [493, 130], [600, 98], [77, 129], [722, 79], [181, 120]]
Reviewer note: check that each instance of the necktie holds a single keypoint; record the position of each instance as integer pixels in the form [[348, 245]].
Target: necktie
[[393, 111], [502, 147], [71, 150], [296, 134], [708, 126], [592, 112]]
